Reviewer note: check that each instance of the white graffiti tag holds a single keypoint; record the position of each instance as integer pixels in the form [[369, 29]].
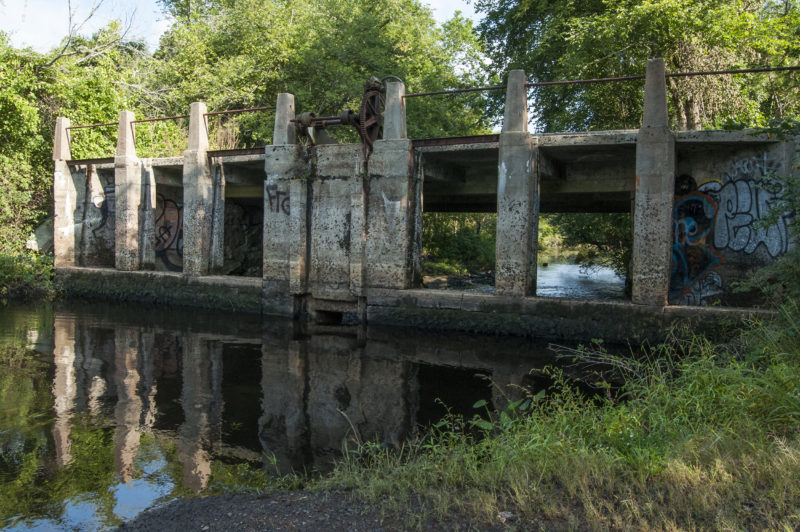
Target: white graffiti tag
[[744, 200]]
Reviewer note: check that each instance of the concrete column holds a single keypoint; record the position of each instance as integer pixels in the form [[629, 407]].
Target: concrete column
[[394, 122], [65, 194], [284, 114], [218, 225], [285, 244], [655, 189], [129, 194], [517, 197], [198, 193], [392, 201], [148, 216]]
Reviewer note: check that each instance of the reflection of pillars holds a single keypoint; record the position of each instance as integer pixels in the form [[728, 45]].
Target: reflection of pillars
[[64, 388], [128, 410], [202, 404], [148, 379], [283, 426]]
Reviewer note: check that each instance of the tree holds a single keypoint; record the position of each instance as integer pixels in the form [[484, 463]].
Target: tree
[[243, 54], [568, 39]]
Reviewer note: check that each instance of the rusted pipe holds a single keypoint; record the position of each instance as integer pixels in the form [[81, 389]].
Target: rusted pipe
[[455, 91], [237, 111], [94, 125], [159, 119]]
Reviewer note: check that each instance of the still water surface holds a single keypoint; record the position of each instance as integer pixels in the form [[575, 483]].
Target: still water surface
[[107, 410]]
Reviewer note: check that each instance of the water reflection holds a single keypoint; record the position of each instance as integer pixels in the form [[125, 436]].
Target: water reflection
[[147, 405]]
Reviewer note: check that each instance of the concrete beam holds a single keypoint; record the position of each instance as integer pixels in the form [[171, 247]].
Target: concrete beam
[[654, 196], [517, 197], [128, 185], [198, 196]]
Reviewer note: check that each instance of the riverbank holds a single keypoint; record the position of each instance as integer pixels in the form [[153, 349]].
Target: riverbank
[[700, 435]]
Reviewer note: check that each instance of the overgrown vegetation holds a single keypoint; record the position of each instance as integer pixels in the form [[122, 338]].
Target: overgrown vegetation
[[699, 435]]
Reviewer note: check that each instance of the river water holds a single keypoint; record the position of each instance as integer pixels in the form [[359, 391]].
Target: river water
[[107, 410]]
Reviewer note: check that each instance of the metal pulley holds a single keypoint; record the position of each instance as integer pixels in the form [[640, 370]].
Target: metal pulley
[[368, 121]]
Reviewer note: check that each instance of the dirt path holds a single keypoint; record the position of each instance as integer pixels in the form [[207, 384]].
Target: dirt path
[[301, 511]]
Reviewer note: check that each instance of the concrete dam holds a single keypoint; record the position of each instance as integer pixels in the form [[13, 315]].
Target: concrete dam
[[330, 231]]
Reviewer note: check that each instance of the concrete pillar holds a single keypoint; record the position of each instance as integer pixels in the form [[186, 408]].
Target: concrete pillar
[[284, 114], [218, 225], [198, 189], [148, 216], [517, 197], [655, 189], [128, 186], [65, 194], [285, 244], [394, 121], [392, 202]]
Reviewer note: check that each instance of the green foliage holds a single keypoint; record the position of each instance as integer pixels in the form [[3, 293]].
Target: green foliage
[[694, 423], [25, 273], [567, 39], [456, 244]]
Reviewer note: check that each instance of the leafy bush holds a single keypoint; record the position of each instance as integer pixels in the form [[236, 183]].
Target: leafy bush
[[25, 274]]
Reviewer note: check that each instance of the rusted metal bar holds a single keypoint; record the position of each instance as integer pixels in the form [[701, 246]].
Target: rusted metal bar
[[94, 125], [581, 81], [237, 111], [159, 119], [741, 71], [455, 91]]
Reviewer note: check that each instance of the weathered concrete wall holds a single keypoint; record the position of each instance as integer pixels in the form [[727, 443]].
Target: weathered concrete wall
[[724, 196], [215, 292], [168, 228], [547, 318], [338, 174]]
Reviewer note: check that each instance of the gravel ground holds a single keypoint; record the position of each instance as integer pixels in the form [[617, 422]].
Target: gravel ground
[[294, 511]]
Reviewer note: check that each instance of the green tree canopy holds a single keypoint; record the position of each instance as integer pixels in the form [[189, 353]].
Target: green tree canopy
[[569, 39]]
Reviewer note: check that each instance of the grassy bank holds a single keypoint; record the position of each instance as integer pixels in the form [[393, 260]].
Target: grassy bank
[[698, 436]]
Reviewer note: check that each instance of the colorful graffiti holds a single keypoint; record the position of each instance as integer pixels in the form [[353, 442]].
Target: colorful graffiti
[[169, 233], [717, 218]]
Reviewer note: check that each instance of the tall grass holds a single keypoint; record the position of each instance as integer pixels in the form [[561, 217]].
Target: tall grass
[[698, 436]]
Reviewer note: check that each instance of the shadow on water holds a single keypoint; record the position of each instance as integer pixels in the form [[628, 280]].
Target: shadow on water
[[108, 410]]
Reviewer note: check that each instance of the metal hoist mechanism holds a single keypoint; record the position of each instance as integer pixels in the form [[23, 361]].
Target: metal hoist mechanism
[[368, 121]]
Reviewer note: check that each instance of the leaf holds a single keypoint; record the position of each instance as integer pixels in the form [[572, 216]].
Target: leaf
[[480, 404]]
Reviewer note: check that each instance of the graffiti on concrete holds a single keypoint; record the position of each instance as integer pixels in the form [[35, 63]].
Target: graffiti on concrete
[[169, 233], [278, 199], [716, 218], [107, 206], [693, 256]]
